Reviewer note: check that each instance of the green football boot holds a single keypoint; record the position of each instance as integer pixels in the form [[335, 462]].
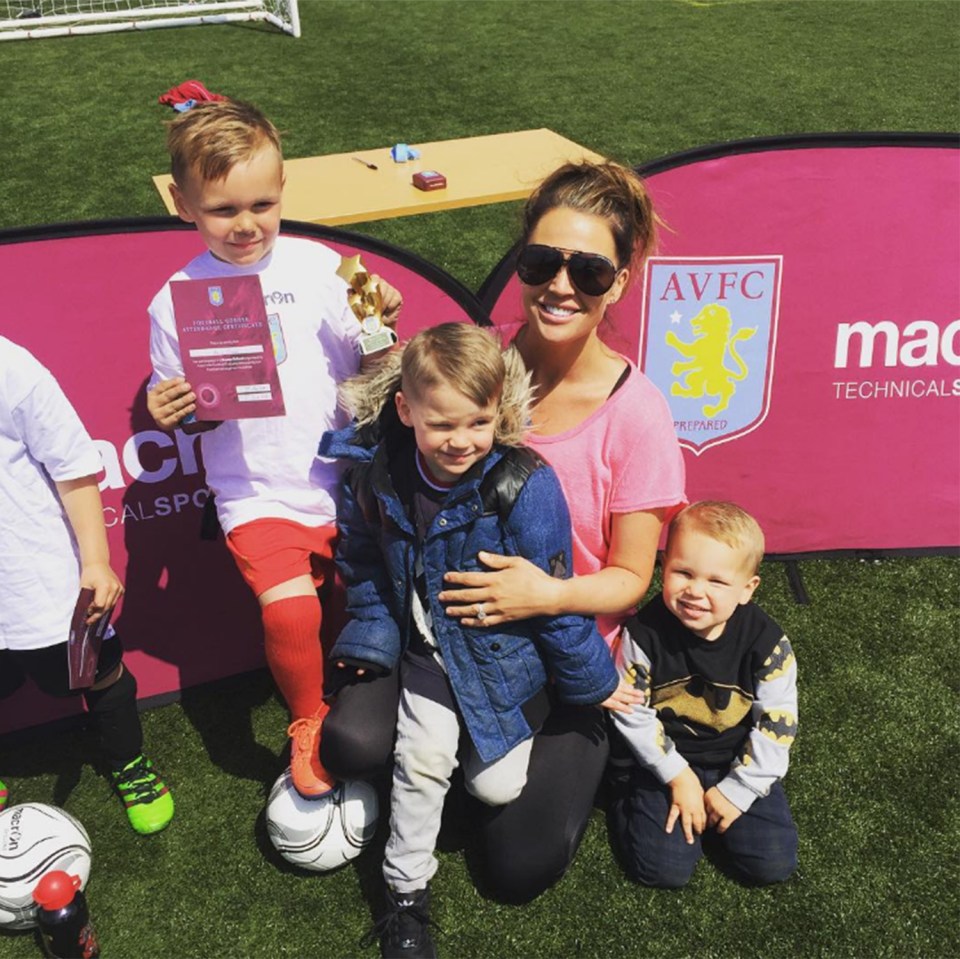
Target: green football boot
[[146, 798]]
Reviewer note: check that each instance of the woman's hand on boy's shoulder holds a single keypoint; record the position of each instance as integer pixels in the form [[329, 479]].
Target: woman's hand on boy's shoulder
[[510, 588]]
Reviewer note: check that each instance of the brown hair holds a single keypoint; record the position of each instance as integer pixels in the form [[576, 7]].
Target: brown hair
[[214, 136], [608, 190], [725, 522]]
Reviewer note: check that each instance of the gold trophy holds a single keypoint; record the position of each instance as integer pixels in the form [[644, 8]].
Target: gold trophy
[[366, 302]]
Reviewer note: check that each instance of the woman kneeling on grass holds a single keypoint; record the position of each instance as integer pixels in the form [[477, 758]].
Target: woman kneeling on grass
[[608, 434]]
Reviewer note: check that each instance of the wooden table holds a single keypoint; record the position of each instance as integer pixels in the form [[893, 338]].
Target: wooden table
[[338, 189]]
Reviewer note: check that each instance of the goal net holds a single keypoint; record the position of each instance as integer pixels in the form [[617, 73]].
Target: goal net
[[25, 19]]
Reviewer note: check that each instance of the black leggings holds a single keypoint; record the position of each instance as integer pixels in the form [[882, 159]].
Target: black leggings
[[113, 708], [527, 845]]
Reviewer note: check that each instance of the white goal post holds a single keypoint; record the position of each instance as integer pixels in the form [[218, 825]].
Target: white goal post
[[31, 19]]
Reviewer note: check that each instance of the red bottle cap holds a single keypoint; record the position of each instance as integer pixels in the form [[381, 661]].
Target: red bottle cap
[[56, 890]]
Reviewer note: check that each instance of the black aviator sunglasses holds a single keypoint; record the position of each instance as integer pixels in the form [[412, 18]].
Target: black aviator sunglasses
[[590, 273]]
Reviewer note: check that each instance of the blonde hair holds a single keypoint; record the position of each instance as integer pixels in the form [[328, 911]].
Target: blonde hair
[[468, 359], [608, 190], [214, 136], [725, 522], [460, 355], [456, 354]]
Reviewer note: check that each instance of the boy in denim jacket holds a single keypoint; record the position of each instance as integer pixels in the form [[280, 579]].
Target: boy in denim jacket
[[446, 479]]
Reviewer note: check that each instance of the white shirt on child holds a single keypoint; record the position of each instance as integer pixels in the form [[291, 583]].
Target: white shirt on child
[[42, 442], [268, 467]]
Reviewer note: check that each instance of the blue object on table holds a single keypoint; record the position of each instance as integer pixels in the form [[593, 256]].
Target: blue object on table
[[400, 153]]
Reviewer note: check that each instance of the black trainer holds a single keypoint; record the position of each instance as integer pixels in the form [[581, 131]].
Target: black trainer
[[404, 927]]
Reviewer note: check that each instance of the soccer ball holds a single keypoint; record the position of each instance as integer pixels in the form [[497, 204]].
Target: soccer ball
[[324, 833], [36, 839]]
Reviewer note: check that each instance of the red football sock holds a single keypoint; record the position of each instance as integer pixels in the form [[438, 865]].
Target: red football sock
[[292, 638]]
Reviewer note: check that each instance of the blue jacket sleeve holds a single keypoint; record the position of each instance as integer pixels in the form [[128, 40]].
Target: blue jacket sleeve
[[575, 653], [371, 633]]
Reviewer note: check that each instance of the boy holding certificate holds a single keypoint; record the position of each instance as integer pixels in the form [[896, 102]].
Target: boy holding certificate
[[53, 544], [276, 500]]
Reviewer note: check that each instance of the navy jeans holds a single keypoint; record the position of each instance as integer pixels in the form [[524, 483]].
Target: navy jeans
[[759, 848]]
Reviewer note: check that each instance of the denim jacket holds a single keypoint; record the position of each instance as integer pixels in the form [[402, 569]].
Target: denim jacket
[[493, 671]]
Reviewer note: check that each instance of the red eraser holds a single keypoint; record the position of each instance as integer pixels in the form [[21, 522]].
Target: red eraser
[[429, 180]]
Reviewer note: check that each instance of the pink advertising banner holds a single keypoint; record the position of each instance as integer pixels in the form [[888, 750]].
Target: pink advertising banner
[[76, 297], [802, 318]]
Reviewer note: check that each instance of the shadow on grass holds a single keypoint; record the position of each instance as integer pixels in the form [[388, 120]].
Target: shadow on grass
[[222, 714], [60, 749]]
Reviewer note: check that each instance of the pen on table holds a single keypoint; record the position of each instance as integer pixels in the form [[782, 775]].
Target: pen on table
[[369, 166]]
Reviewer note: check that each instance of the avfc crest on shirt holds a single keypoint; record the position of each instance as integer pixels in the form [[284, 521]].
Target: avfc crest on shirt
[[707, 340], [215, 295]]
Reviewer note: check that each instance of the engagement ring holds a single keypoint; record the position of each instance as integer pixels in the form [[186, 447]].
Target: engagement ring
[[480, 614]]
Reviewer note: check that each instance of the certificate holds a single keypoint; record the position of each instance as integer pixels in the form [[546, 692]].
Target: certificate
[[83, 642], [227, 348]]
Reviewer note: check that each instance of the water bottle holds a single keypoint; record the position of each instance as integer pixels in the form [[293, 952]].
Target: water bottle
[[65, 928]]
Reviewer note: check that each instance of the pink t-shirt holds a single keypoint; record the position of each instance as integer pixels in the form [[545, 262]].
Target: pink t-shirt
[[621, 459]]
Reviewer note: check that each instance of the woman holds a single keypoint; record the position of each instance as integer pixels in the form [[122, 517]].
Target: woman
[[608, 433]]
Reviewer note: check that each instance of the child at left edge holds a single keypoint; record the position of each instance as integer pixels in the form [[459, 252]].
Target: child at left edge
[[53, 542], [276, 500]]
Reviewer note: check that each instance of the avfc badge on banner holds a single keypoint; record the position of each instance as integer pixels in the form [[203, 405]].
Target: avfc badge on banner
[[215, 294], [708, 339]]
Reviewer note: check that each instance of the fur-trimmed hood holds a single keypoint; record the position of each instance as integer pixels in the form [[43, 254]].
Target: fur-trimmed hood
[[364, 396]]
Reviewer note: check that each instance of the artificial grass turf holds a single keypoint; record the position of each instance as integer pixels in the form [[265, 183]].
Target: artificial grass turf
[[872, 785], [874, 779]]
